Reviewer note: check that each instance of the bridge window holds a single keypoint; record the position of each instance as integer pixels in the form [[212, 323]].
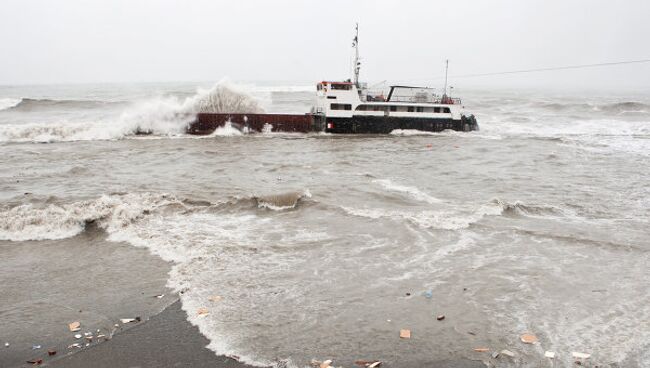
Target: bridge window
[[446, 109], [436, 109], [337, 106], [393, 108], [341, 86], [411, 109]]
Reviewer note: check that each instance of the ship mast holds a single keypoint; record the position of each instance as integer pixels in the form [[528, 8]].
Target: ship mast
[[357, 63], [446, 72]]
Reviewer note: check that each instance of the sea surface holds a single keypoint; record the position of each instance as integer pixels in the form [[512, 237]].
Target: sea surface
[[317, 246]]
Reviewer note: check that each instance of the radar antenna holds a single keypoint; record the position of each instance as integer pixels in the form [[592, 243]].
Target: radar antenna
[[357, 63]]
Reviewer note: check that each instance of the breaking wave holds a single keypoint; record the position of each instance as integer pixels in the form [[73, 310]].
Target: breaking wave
[[8, 103], [616, 107], [457, 218], [412, 192], [59, 221], [284, 201], [163, 116], [47, 220]]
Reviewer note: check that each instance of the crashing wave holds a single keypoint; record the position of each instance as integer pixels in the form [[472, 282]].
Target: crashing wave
[[59, 221], [163, 116], [283, 201], [8, 103]]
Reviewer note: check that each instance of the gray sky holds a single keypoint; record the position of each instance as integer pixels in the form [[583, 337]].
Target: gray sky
[[202, 40]]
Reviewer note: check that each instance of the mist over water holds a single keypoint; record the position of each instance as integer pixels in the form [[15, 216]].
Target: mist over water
[[536, 223]]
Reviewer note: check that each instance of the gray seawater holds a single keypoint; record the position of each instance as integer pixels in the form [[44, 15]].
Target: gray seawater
[[324, 247]]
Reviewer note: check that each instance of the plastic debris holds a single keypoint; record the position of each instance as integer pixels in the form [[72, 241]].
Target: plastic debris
[[368, 363], [35, 361], [440, 317], [405, 334], [88, 333], [578, 355], [77, 336], [36, 347], [159, 296], [508, 353], [202, 312], [481, 350], [495, 355], [51, 352], [126, 320], [116, 325], [528, 339], [233, 357], [428, 294], [74, 326], [101, 336], [325, 364], [471, 333], [549, 354], [6, 344], [408, 294], [215, 298], [75, 345], [89, 338]]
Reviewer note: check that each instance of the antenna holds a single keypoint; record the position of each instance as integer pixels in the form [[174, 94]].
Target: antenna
[[446, 73], [357, 64]]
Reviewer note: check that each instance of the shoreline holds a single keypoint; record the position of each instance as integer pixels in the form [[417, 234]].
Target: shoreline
[[166, 339]]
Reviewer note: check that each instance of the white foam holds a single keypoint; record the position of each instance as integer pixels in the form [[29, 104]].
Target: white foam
[[161, 116], [28, 222], [413, 192], [7, 103]]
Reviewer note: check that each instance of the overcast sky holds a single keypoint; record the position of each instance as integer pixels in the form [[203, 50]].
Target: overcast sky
[[72, 41]]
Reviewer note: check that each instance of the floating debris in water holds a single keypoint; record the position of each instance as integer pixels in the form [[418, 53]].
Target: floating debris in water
[[215, 298], [77, 336], [481, 350], [528, 338], [549, 354], [36, 347], [6, 344], [508, 353], [405, 334], [35, 361], [202, 312], [74, 326], [440, 317], [159, 296], [126, 320], [578, 355]]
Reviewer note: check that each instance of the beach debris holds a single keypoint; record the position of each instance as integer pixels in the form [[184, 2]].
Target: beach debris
[[51, 352], [89, 338], [549, 354], [440, 317], [88, 333], [159, 296], [495, 355], [6, 344], [75, 345], [215, 298], [77, 336], [233, 357], [116, 325], [126, 320], [528, 338], [74, 326], [428, 294], [87, 345], [368, 363], [481, 350], [325, 364], [36, 347], [408, 294], [202, 312], [405, 334], [35, 361], [508, 353], [578, 355], [471, 333]]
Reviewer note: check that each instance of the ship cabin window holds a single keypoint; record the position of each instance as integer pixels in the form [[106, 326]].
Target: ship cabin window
[[410, 109], [436, 109], [337, 106], [341, 86], [420, 109], [393, 108], [378, 108], [319, 86], [446, 110], [331, 97]]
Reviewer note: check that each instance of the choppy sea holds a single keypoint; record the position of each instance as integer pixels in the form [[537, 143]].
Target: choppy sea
[[323, 247]]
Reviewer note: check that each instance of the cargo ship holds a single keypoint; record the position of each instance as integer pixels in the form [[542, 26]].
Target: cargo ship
[[350, 107]]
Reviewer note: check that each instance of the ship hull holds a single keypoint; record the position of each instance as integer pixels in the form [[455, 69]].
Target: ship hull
[[207, 123]]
